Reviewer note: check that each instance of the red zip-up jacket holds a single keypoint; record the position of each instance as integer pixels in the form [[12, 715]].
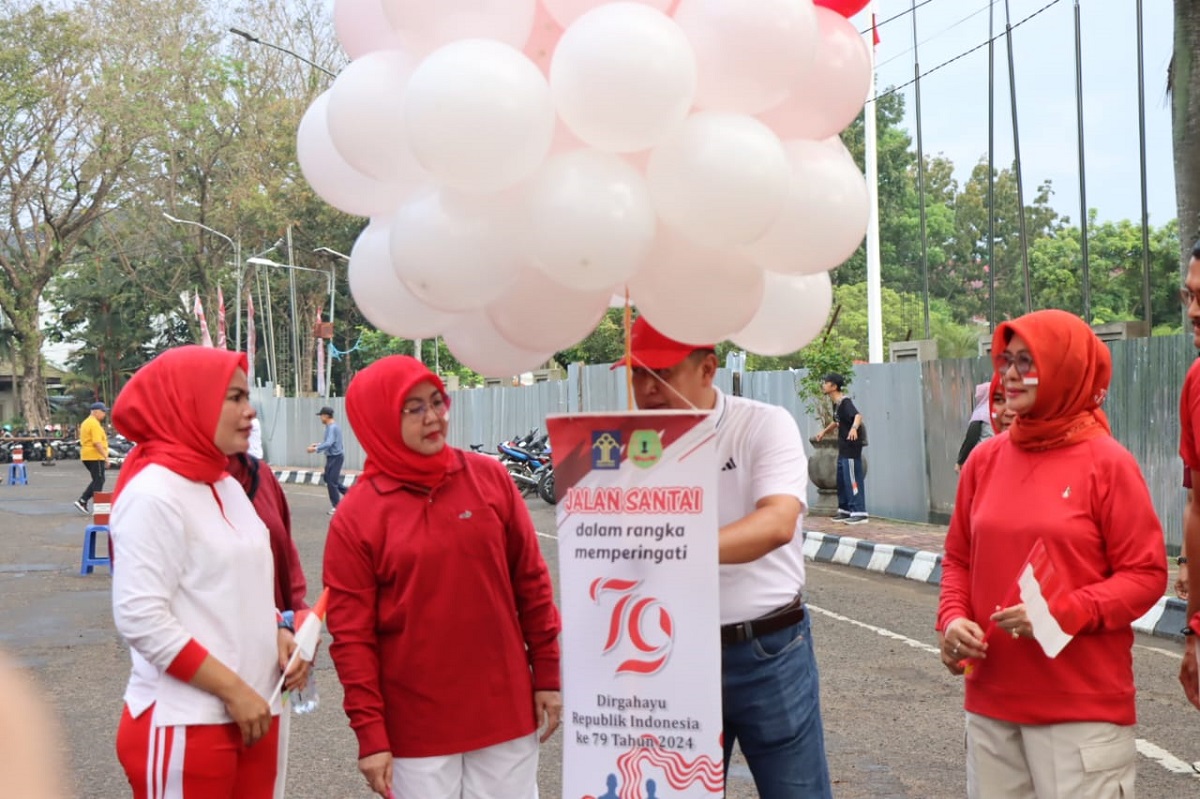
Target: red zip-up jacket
[[441, 611], [1089, 503]]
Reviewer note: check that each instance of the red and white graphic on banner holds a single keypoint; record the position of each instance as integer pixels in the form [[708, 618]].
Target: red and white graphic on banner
[[637, 532]]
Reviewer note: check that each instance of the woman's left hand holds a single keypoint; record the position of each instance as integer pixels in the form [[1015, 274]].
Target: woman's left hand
[[547, 705], [298, 675], [1013, 621]]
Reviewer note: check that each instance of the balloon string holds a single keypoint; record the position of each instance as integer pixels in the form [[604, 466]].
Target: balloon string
[[628, 352]]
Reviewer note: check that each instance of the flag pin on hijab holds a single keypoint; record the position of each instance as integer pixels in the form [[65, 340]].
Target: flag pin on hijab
[[1067, 493]]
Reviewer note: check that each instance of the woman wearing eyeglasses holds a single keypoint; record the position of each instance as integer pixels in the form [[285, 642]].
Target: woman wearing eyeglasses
[[445, 633], [1036, 726]]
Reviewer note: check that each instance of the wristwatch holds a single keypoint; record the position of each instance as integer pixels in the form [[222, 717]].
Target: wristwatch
[[1181, 560]]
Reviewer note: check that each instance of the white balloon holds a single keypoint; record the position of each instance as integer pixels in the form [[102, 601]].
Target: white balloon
[[794, 311], [477, 345], [366, 108], [694, 294], [425, 25], [592, 222], [565, 12], [623, 77], [338, 183], [749, 54], [478, 115], [456, 253], [556, 318], [720, 179], [362, 28], [824, 217], [380, 295]]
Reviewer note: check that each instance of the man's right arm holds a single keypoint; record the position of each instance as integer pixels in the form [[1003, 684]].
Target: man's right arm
[[327, 441]]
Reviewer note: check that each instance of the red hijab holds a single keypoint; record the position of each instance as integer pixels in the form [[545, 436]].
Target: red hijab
[[170, 408], [374, 402], [1073, 367]]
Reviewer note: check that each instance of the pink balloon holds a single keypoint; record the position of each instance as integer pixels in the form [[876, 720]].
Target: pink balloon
[[835, 89], [477, 345], [362, 28], [380, 295], [425, 25], [696, 294], [563, 317], [543, 40]]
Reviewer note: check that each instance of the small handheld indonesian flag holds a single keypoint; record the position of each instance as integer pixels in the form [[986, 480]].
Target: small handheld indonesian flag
[[1052, 612], [308, 635]]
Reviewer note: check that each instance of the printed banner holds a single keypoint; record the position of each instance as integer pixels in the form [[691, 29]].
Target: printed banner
[[637, 544]]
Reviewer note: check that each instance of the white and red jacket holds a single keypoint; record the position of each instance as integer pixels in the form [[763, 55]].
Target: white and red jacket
[[193, 576]]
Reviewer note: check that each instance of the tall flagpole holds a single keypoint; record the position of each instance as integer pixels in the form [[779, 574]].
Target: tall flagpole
[[921, 175], [874, 268]]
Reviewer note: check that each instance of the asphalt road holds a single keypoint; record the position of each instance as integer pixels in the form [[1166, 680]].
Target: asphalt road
[[893, 716]]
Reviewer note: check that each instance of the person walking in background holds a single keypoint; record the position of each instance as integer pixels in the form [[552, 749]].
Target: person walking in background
[[193, 596], [851, 484], [979, 426], [770, 685], [93, 451], [445, 633], [335, 455], [1058, 482]]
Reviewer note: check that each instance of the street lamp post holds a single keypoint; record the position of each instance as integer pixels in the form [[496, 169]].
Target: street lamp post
[[332, 297], [250, 37], [332, 280], [237, 259]]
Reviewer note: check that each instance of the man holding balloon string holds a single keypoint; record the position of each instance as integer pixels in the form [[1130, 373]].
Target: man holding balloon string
[[770, 685]]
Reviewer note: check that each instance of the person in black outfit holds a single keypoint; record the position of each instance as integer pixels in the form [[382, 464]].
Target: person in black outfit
[[852, 490]]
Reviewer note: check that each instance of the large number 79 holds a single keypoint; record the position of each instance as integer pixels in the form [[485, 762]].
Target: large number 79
[[634, 620]]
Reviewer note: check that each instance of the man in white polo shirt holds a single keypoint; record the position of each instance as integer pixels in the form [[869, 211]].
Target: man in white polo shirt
[[770, 691]]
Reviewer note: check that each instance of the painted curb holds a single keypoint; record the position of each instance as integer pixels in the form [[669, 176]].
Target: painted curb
[[310, 477], [1165, 619]]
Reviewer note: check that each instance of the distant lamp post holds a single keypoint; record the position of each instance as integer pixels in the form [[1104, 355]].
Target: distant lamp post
[[250, 37], [237, 259], [331, 275]]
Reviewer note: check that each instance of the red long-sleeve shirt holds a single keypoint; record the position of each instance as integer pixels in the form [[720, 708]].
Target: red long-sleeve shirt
[[1090, 505], [441, 611]]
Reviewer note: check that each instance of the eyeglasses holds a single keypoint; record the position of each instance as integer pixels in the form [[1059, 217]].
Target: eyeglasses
[[1022, 360], [418, 410], [1187, 297]]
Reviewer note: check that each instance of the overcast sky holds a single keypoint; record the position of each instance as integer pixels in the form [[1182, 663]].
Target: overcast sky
[[954, 101]]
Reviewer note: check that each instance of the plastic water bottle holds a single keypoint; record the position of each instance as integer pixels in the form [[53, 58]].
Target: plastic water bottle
[[306, 699]]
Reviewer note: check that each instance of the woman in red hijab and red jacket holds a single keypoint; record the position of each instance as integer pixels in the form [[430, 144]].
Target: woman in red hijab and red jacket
[[193, 588], [445, 633], [1036, 726]]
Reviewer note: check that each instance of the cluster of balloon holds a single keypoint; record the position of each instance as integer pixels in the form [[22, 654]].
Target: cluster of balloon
[[523, 160]]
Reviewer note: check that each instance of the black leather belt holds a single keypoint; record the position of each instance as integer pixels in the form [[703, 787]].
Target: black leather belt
[[776, 620]]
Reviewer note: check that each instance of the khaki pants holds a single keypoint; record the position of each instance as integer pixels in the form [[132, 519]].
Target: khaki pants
[[1088, 760]]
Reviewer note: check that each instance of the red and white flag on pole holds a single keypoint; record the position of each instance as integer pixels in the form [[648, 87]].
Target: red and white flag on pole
[[250, 342], [308, 635], [221, 341], [1052, 612], [198, 311], [320, 360]]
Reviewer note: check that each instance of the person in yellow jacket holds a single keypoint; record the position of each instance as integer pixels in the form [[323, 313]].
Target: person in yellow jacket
[[93, 443]]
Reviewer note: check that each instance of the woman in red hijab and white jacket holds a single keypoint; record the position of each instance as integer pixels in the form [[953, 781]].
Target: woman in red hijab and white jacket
[[193, 587], [1036, 726], [445, 633]]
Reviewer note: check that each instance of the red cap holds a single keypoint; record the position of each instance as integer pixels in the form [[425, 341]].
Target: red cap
[[653, 350]]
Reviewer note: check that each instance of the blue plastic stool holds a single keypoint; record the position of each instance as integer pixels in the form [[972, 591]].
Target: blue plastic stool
[[90, 560], [17, 476]]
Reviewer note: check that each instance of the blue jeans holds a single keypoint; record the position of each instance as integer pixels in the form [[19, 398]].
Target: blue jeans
[[333, 478], [772, 708], [848, 500]]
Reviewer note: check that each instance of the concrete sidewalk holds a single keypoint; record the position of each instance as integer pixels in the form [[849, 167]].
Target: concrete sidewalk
[[901, 549]]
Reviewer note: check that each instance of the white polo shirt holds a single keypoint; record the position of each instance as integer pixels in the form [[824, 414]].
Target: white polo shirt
[[761, 454], [187, 568]]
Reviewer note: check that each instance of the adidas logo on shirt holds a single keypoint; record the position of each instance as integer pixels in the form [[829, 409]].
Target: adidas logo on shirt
[[729, 466]]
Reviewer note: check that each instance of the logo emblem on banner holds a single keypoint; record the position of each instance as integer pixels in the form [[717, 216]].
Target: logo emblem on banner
[[645, 448], [632, 618], [606, 449]]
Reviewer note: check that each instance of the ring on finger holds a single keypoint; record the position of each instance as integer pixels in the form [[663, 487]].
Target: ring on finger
[[1015, 634], [955, 650]]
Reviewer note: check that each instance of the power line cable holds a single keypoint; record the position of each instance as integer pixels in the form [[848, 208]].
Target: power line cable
[[964, 53], [895, 17], [903, 53]]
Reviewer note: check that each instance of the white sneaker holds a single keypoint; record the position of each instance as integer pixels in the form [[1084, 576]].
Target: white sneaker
[[81, 506], [332, 511]]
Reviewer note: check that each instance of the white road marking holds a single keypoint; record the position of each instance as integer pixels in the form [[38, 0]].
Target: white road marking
[[1148, 750], [547, 535], [1159, 651]]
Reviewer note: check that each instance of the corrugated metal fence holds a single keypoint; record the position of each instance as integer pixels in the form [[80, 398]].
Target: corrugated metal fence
[[916, 414]]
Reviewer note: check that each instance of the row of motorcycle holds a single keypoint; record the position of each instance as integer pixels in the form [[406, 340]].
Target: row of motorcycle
[[527, 459], [49, 450]]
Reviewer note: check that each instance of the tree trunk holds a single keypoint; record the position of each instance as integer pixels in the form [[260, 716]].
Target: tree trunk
[[30, 383], [1185, 122]]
